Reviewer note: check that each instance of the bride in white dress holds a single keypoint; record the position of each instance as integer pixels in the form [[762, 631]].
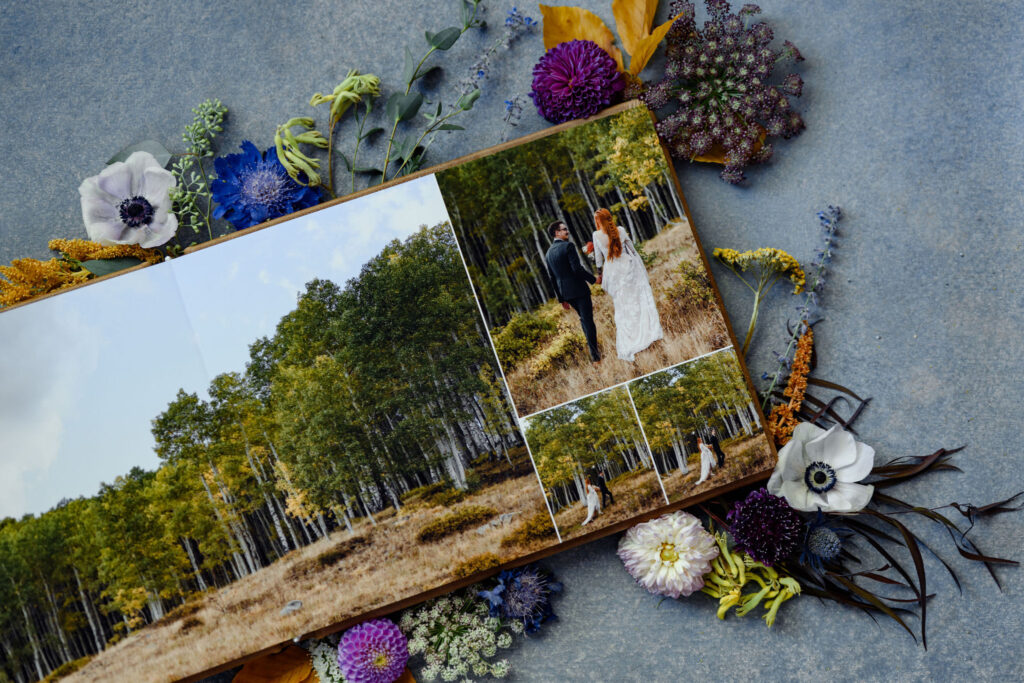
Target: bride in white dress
[[707, 460], [593, 502], [624, 277]]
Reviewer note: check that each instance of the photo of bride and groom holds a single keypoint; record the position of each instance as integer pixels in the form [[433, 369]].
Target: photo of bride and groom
[[585, 266], [702, 428]]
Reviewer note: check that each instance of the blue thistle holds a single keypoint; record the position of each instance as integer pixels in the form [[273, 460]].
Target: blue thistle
[[523, 594]]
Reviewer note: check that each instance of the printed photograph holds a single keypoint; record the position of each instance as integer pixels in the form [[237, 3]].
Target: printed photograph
[[292, 428], [702, 425], [587, 271], [593, 463]]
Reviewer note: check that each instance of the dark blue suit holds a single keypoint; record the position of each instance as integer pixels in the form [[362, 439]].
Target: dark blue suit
[[571, 285]]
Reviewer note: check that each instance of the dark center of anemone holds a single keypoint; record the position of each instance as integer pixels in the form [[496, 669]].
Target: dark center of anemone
[[824, 543], [820, 477], [263, 184], [135, 211]]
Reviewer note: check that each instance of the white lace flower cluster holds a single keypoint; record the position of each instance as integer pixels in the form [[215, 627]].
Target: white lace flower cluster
[[456, 638], [324, 657]]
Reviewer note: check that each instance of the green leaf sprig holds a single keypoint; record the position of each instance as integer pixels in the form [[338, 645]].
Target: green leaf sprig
[[191, 199]]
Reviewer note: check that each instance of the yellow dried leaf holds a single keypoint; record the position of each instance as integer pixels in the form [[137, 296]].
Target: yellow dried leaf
[[643, 52], [291, 665], [633, 20], [562, 24]]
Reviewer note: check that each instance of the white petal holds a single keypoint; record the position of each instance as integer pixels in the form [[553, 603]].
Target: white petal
[[791, 464], [116, 181], [158, 233], [860, 467], [836, 447], [798, 496], [805, 432], [847, 497], [137, 163], [155, 183], [107, 233]]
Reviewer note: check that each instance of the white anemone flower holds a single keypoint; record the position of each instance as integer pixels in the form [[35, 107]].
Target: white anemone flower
[[818, 469], [669, 555], [129, 203]]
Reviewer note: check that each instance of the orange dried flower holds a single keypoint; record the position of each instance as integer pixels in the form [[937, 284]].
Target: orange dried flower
[[782, 420]]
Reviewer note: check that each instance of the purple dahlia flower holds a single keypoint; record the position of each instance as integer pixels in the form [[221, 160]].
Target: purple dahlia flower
[[574, 80], [252, 187], [765, 527], [373, 652]]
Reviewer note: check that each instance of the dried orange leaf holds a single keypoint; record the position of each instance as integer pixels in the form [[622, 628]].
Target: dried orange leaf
[[291, 665], [562, 24], [645, 50], [633, 19]]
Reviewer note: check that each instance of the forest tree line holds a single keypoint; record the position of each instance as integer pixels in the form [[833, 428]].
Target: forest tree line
[[363, 393], [680, 404], [502, 204], [571, 442]]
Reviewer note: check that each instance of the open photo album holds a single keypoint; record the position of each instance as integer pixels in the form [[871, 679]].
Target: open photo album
[[347, 411]]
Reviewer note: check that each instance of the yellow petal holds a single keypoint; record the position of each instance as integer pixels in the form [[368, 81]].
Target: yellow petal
[[562, 24], [292, 665], [642, 53], [633, 20]]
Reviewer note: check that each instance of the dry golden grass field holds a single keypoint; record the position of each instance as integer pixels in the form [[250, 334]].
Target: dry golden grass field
[[690, 331], [336, 578], [743, 457], [634, 494]]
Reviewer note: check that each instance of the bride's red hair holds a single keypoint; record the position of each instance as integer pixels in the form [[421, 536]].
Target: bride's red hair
[[603, 220]]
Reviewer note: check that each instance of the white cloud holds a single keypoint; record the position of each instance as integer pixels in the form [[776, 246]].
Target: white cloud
[[48, 351]]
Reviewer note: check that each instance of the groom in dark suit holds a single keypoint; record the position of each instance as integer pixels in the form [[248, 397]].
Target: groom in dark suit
[[571, 282], [715, 446]]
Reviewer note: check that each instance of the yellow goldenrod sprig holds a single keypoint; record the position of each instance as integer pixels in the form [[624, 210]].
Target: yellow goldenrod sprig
[[769, 265], [732, 571]]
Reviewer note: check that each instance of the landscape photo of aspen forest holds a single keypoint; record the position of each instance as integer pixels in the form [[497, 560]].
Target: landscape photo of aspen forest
[[702, 401], [593, 463], [501, 207], [343, 445]]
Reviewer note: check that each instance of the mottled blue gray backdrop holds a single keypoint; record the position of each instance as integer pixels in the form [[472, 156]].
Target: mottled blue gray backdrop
[[914, 126]]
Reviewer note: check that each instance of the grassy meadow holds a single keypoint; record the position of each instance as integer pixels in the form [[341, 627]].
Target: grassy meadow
[[336, 578], [635, 493], [743, 456], [556, 367]]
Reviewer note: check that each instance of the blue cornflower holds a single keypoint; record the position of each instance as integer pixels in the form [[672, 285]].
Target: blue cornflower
[[252, 187]]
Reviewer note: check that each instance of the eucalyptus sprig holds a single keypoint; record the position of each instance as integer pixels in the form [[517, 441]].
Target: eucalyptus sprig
[[191, 199], [403, 106]]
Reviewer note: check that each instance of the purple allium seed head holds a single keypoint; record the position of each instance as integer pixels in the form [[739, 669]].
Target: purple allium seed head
[[763, 33], [789, 49], [734, 176], [792, 85], [574, 80], [765, 527], [656, 96], [700, 143], [373, 652], [749, 10]]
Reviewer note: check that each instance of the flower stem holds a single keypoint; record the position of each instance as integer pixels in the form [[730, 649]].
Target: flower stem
[[753, 322]]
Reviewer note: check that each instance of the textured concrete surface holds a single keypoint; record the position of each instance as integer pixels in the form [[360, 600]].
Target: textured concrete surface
[[914, 115]]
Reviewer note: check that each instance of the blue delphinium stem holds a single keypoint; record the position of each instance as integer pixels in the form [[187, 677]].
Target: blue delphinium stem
[[829, 220]]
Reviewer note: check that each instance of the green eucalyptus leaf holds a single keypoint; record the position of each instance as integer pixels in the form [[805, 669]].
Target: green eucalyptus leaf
[[366, 169], [450, 126], [444, 39], [409, 72], [372, 131], [403, 107], [466, 101], [348, 164], [151, 146], [465, 12], [106, 266]]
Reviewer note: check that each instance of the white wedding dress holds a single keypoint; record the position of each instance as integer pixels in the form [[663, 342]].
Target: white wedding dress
[[637, 324], [707, 461], [593, 503]]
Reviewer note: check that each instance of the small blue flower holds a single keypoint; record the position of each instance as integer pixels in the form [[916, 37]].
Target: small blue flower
[[523, 594], [252, 187], [823, 542]]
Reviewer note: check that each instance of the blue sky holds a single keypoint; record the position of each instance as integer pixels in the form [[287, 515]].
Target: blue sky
[[82, 374]]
